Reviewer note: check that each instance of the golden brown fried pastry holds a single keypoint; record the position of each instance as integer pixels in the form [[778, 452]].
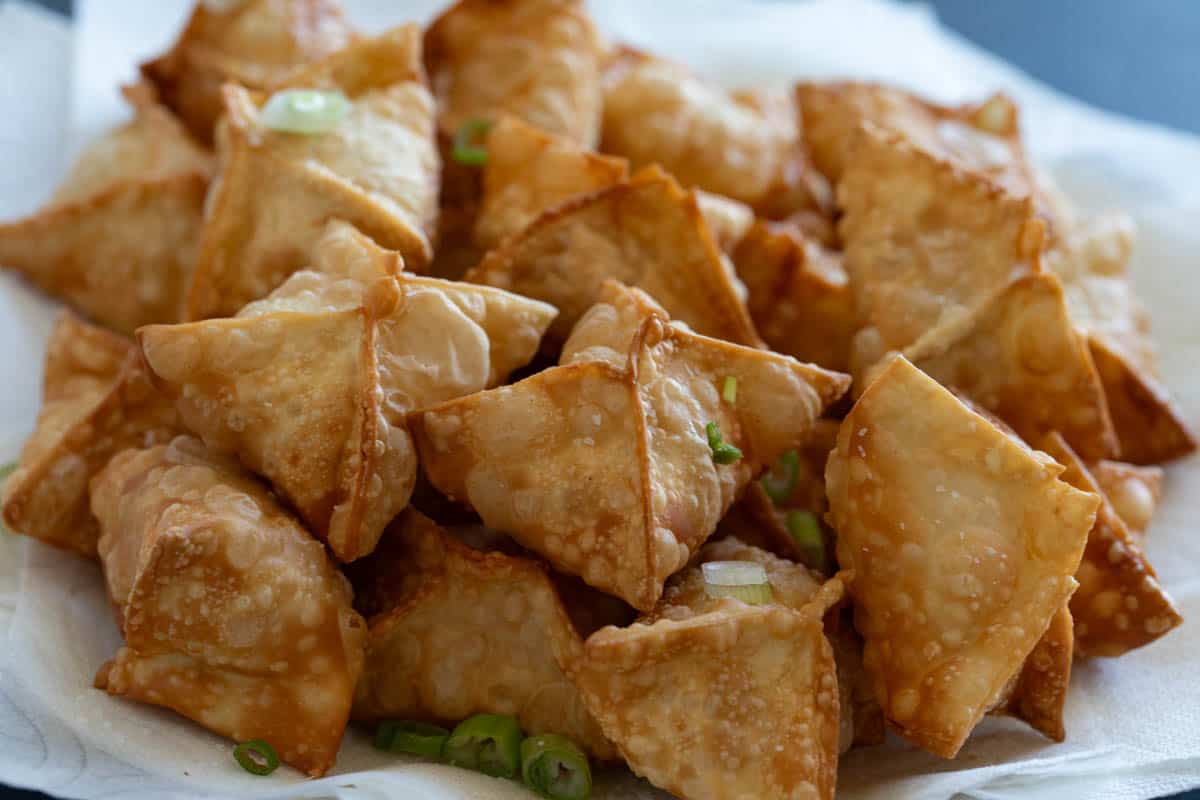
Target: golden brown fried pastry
[[721, 700], [743, 145], [1133, 491], [96, 401], [645, 232], [232, 614], [963, 544], [309, 387], [254, 43], [538, 60], [728, 219], [1019, 356], [1038, 692], [1120, 605], [528, 171], [799, 294], [377, 169], [462, 632], [602, 465], [119, 236]]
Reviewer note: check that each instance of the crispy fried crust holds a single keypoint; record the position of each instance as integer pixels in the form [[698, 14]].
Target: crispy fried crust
[[1134, 491], [1120, 605], [96, 401], [963, 543], [255, 43], [232, 614], [462, 632], [378, 169], [1039, 691], [538, 60]]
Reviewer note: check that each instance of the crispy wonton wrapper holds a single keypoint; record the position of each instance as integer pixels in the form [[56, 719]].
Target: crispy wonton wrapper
[[455, 631], [963, 542], [232, 614], [1120, 605], [118, 239], [728, 220], [602, 465], [538, 60], [1134, 491], [1038, 692], [96, 401], [645, 232], [378, 169], [254, 43], [310, 386]]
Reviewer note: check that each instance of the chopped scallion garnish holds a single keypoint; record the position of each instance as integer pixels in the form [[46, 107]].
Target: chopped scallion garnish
[[743, 580], [489, 743], [256, 757], [467, 143], [555, 767], [729, 390], [780, 481], [414, 738], [6, 470], [307, 111], [805, 529], [722, 453]]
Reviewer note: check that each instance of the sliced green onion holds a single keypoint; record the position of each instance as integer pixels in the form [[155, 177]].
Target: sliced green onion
[[554, 767], [415, 738], [780, 481], [489, 743], [307, 111], [722, 453], [7, 470], [256, 757], [806, 531], [467, 149], [743, 580], [729, 390]]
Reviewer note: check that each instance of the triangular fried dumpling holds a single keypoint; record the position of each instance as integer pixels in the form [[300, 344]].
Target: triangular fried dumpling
[[1134, 491], [119, 236], [603, 465], [377, 168], [728, 220], [232, 614], [309, 387], [96, 401], [1120, 605], [254, 43], [528, 171], [1038, 692], [431, 596], [723, 699], [645, 232], [538, 60], [963, 544], [1019, 356]]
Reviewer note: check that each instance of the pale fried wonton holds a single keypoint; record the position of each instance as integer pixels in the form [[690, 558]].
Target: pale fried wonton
[[1133, 490]]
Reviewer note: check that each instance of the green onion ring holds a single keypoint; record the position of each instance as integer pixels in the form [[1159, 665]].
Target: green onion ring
[[489, 743], [779, 487], [466, 150], [805, 529], [555, 767], [722, 452], [414, 738], [256, 757]]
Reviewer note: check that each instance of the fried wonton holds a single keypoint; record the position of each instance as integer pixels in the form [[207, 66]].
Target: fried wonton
[[528, 171], [645, 232], [963, 543], [603, 465], [1038, 692], [1120, 605], [378, 169], [743, 145], [719, 699], [118, 239], [1019, 356], [309, 387], [728, 219], [455, 631], [254, 43], [1134, 491], [799, 294], [232, 614], [538, 60], [96, 401]]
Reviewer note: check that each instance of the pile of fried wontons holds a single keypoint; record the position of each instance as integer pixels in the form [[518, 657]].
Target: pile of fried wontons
[[436, 400]]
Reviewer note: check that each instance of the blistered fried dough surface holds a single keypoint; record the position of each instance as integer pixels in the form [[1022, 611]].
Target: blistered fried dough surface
[[602, 465], [799, 294], [963, 542], [254, 43], [728, 220], [538, 60], [743, 145], [96, 401], [468, 632], [1133, 491], [232, 614], [1019, 356], [528, 171], [119, 236], [725, 702], [310, 386], [925, 241], [1120, 605], [646, 232], [378, 169], [1039, 690]]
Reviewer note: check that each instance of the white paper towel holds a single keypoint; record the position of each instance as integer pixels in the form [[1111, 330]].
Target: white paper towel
[[1133, 725]]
